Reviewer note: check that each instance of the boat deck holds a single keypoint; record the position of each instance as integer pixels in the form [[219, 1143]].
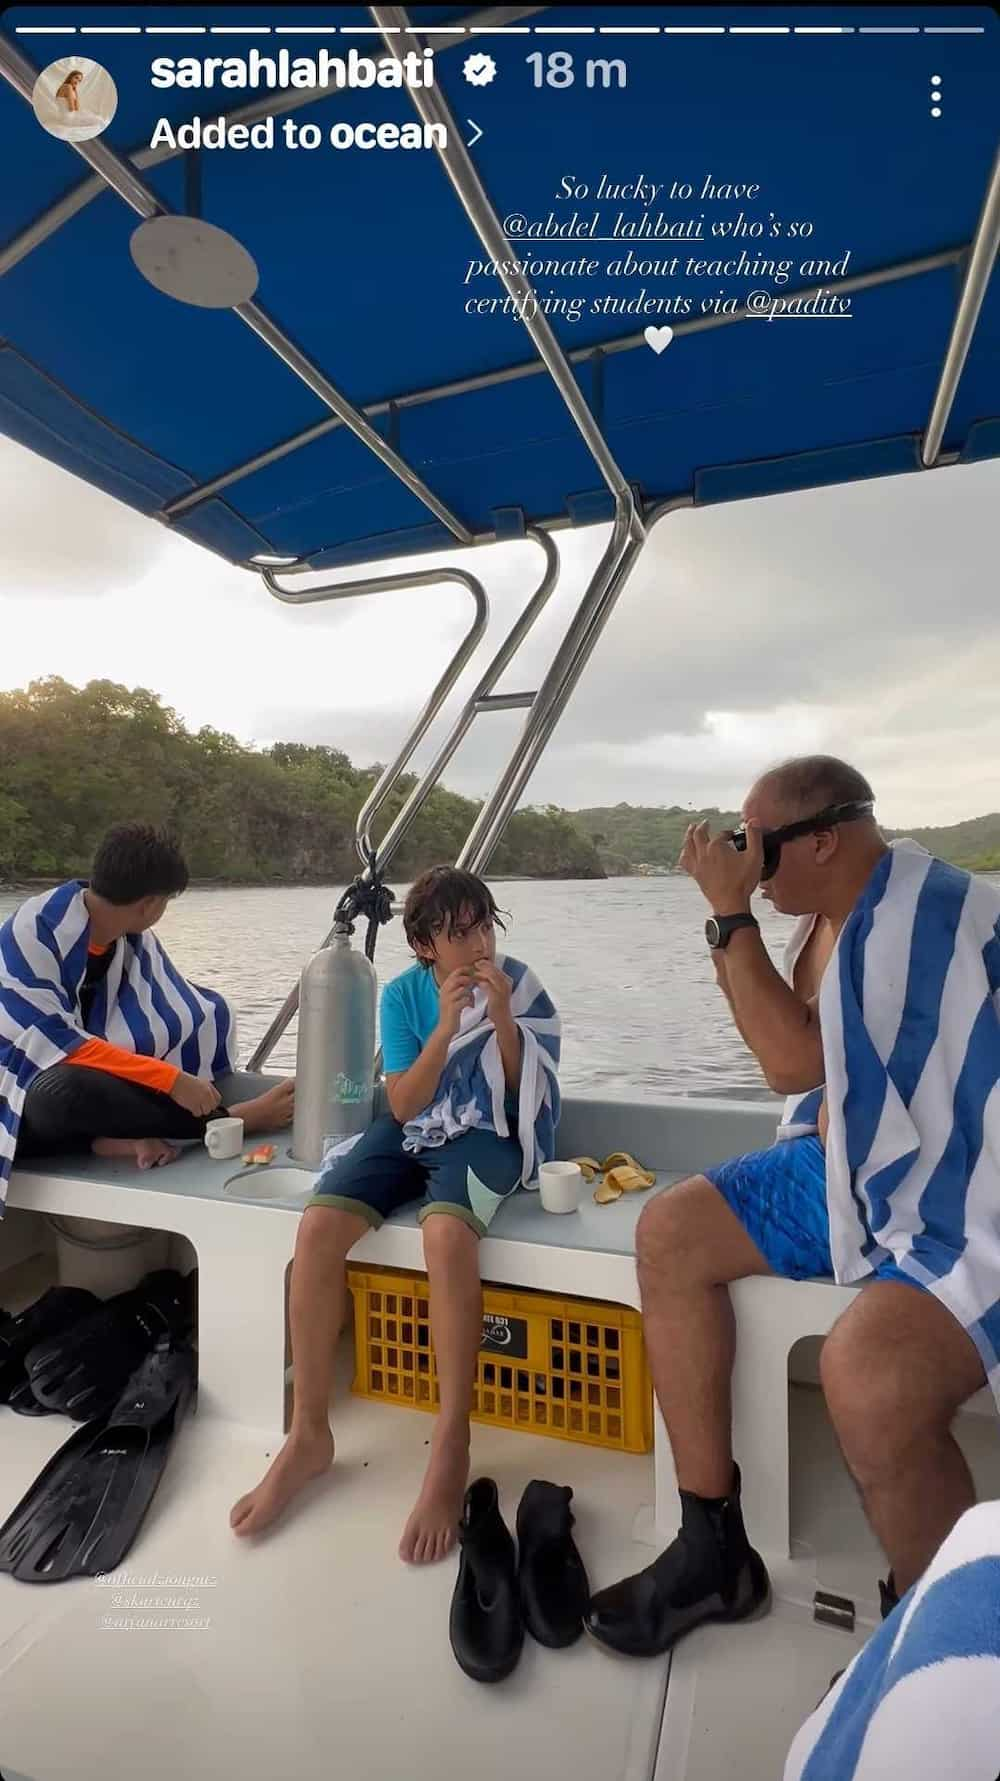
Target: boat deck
[[314, 1650]]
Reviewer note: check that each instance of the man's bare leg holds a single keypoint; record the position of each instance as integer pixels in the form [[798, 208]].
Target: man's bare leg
[[895, 1368], [451, 1251], [317, 1304], [688, 1245]]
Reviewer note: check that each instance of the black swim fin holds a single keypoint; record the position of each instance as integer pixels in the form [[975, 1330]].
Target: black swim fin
[[84, 1371], [55, 1312], [23, 1402], [86, 1506]]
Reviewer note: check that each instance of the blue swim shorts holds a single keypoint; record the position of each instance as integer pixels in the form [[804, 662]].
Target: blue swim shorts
[[779, 1197]]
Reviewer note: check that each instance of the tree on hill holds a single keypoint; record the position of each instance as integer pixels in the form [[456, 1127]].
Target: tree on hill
[[77, 760]]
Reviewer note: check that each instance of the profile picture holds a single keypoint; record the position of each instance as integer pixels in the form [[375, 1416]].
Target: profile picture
[[74, 98]]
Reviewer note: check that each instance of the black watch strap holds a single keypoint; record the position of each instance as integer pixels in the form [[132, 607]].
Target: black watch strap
[[720, 928]]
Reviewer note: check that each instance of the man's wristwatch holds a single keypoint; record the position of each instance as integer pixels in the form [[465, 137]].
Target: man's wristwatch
[[719, 928]]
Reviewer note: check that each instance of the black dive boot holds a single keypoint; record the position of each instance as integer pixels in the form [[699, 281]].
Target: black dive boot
[[551, 1575], [887, 1597], [485, 1626], [887, 1601], [710, 1572]]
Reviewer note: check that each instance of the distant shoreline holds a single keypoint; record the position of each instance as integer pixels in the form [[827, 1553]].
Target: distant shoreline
[[27, 887], [31, 886]]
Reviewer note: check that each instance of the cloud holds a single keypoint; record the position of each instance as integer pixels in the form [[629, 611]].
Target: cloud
[[65, 538], [831, 595], [862, 620]]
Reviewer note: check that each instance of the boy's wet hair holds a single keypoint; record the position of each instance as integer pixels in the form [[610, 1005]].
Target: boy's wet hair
[[441, 899], [135, 861]]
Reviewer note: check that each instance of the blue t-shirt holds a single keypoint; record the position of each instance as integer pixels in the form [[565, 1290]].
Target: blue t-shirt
[[410, 1012]]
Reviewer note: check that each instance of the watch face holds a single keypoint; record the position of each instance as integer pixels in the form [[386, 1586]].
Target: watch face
[[713, 933]]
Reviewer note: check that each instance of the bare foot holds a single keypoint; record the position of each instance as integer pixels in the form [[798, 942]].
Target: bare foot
[[432, 1529], [303, 1457], [269, 1112], [149, 1153]]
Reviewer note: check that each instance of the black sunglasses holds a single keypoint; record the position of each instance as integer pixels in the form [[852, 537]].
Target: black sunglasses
[[774, 839]]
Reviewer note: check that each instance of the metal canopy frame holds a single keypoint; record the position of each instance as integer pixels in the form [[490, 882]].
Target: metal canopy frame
[[350, 590], [481, 700], [629, 529], [122, 178], [553, 695], [535, 367], [121, 174]]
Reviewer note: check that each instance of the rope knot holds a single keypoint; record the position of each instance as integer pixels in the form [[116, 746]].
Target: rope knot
[[366, 897]]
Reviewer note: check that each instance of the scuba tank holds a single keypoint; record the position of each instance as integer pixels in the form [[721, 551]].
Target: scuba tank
[[335, 1062]]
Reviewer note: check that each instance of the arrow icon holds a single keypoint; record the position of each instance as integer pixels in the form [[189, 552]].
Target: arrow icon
[[473, 139]]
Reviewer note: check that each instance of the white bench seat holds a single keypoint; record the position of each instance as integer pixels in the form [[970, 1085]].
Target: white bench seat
[[244, 1249]]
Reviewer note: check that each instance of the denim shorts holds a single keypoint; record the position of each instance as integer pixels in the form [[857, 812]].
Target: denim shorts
[[469, 1177]]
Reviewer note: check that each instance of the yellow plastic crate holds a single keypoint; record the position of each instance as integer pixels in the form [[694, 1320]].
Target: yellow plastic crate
[[572, 1368]]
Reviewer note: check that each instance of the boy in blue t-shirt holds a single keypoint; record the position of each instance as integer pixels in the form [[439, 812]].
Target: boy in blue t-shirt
[[450, 920]]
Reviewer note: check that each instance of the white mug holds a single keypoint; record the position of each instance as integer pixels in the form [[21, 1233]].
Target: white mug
[[560, 1186], [224, 1138]]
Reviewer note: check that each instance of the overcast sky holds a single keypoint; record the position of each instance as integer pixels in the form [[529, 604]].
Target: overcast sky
[[861, 621]]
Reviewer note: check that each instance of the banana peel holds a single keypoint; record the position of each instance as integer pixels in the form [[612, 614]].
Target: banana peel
[[629, 1180], [607, 1191], [625, 1160], [588, 1166], [620, 1174]]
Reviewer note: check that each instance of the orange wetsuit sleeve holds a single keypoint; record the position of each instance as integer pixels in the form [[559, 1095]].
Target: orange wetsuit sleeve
[[149, 1072]]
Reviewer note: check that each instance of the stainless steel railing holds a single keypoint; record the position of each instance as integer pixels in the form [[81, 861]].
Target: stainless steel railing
[[480, 700]]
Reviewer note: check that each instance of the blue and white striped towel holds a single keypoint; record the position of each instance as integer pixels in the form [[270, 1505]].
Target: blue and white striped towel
[[922, 1699], [909, 1011], [472, 1088], [142, 1004]]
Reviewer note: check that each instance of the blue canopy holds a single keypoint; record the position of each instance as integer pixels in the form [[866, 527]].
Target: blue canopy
[[364, 262]]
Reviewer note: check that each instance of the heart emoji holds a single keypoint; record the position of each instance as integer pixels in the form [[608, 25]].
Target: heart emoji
[[659, 338]]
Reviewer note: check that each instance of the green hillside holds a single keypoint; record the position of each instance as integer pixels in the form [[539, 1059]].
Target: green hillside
[[627, 836], [974, 844], [77, 760]]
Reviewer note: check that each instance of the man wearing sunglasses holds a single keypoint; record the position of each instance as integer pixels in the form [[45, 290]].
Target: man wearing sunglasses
[[898, 1363]]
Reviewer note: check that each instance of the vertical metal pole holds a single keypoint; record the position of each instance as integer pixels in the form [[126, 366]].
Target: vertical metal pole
[[348, 590], [457, 162], [982, 259], [466, 717], [553, 695]]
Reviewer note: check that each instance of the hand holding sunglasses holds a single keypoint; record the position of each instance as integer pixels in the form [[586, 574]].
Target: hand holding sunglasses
[[729, 867], [727, 876]]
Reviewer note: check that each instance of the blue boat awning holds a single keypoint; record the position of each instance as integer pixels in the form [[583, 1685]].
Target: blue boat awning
[[719, 166]]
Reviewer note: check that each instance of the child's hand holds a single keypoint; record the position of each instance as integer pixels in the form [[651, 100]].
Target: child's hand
[[498, 989], [455, 996]]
